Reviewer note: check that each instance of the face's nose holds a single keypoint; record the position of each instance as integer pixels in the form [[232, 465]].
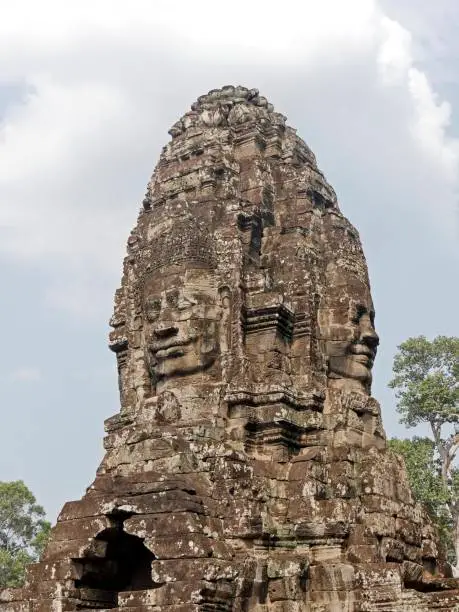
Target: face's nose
[[165, 331], [368, 333]]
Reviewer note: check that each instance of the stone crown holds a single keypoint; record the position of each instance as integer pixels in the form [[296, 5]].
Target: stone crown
[[230, 106], [230, 94]]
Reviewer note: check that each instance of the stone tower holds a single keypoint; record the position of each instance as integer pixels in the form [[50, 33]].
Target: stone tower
[[247, 468]]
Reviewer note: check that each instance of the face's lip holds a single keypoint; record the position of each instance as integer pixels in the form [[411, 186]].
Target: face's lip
[[170, 352], [363, 359], [363, 353], [170, 348]]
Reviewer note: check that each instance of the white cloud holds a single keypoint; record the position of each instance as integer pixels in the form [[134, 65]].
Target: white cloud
[[435, 25], [431, 117], [431, 121], [394, 55], [28, 374], [109, 77]]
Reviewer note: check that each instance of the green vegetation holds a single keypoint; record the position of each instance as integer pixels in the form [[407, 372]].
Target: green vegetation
[[23, 532], [426, 381]]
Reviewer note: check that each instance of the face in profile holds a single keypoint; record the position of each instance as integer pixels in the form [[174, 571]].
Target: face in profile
[[350, 339], [181, 312]]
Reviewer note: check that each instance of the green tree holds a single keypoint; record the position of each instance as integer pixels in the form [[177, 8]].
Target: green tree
[[23, 532], [426, 382], [423, 467]]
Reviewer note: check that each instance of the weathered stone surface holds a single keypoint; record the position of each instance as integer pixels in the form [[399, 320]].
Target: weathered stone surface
[[247, 468]]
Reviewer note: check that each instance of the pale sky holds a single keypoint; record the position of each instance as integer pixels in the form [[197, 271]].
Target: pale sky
[[88, 90]]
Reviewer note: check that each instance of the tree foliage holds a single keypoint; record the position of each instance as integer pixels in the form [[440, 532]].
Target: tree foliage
[[424, 474], [23, 531], [426, 382]]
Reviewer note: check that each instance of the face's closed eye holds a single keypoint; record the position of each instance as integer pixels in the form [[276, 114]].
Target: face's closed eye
[[372, 318], [172, 298], [358, 312], [154, 305], [152, 308], [184, 302]]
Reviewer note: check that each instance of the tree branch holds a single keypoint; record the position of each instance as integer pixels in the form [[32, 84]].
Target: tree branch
[[451, 446]]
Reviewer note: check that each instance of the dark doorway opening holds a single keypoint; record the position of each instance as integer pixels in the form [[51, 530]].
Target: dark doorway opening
[[124, 566]]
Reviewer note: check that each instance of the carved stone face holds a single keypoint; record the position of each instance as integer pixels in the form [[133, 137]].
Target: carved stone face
[[182, 314], [350, 339]]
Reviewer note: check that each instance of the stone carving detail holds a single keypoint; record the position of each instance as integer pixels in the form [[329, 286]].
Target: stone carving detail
[[181, 307], [247, 468], [350, 339]]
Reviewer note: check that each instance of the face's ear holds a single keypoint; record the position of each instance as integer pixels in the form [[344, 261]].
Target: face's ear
[[225, 296]]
